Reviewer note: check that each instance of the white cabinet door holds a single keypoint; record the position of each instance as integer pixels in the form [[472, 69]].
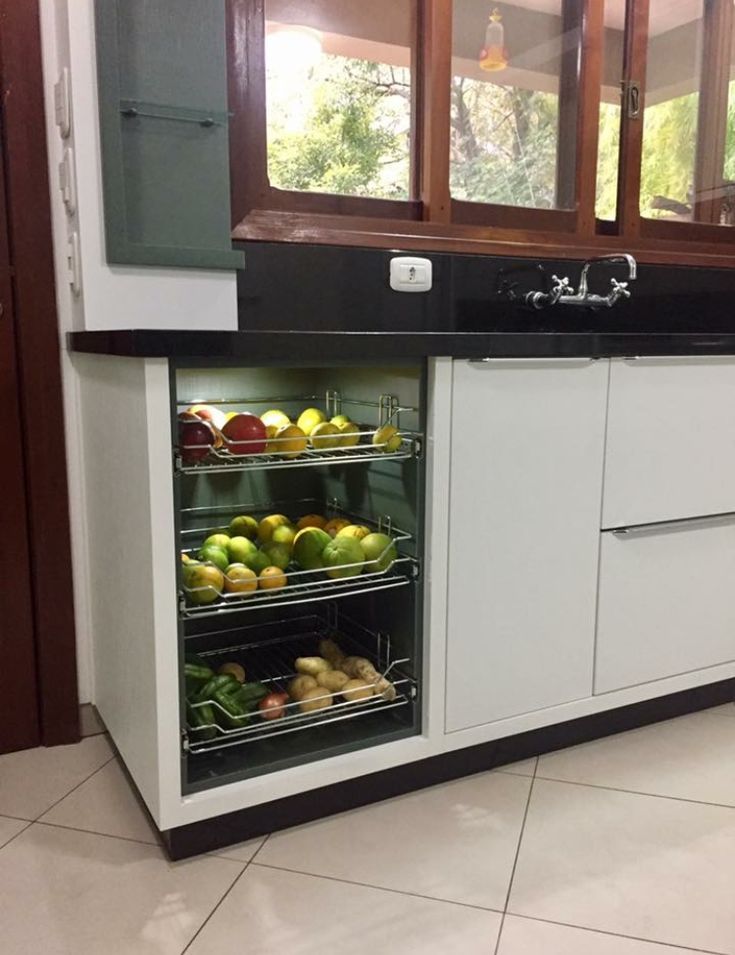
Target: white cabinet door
[[670, 440], [667, 601], [524, 511]]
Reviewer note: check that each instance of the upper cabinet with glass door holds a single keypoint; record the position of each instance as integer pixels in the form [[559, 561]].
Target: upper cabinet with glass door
[[688, 137], [514, 109]]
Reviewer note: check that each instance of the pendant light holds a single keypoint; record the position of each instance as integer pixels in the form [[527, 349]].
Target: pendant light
[[494, 56]]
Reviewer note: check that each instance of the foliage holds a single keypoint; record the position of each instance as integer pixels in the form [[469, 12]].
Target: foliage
[[503, 144], [344, 128], [352, 126]]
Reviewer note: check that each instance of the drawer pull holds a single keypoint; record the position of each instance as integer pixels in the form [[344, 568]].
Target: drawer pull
[[683, 523]]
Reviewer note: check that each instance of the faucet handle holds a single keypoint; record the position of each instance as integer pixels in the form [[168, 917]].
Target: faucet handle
[[559, 288], [619, 289]]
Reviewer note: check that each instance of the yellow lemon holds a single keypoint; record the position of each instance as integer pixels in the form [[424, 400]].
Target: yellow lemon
[[309, 419]]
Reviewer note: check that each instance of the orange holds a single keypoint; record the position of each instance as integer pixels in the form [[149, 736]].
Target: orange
[[272, 578], [311, 520]]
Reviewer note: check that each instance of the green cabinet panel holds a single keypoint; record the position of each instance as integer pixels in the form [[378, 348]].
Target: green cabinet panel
[[162, 76]]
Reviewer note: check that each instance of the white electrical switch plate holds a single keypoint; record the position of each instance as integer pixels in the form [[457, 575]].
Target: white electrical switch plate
[[68, 181], [62, 103], [410, 274], [74, 264]]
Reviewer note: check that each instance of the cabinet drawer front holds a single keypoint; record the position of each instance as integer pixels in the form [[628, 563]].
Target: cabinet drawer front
[[667, 602], [524, 510], [670, 440]]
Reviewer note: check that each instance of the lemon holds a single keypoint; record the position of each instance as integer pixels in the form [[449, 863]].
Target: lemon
[[269, 524], [289, 441], [309, 419], [275, 418], [350, 434], [325, 436], [387, 438]]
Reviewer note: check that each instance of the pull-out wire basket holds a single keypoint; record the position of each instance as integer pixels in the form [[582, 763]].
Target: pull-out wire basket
[[364, 445], [302, 586], [270, 661]]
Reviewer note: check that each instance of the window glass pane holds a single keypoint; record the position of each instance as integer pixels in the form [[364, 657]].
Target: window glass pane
[[514, 102], [608, 149], [338, 96], [673, 73]]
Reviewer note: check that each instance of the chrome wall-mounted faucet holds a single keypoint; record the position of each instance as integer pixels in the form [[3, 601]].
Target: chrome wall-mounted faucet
[[562, 292]]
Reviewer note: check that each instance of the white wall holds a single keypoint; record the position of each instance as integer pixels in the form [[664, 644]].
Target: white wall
[[111, 297]]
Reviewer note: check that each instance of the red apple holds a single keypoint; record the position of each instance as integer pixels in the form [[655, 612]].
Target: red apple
[[196, 437], [245, 434]]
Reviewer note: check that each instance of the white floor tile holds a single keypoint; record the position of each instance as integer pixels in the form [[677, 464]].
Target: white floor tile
[[270, 911], [658, 869], [727, 710], [526, 937], [33, 780], [525, 767], [242, 851], [692, 757], [10, 828], [104, 804], [455, 842], [73, 893]]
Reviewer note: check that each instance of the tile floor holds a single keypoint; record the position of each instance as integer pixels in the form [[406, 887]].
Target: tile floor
[[624, 846]]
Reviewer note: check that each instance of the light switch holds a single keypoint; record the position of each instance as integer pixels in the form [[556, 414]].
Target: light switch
[[410, 274], [68, 181], [62, 103]]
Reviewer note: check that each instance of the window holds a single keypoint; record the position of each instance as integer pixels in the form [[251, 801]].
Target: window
[[514, 103], [339, 97]]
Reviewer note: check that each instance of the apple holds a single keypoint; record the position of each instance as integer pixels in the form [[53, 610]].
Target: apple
[[196, 437], [245, 434]]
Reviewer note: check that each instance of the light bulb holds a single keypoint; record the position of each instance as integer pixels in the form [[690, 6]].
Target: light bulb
[[292, 48]]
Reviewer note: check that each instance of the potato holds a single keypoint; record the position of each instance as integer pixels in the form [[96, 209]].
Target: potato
[[315, 699], [333, 680], [234, 669], [300, 685], [312, 665], [356, 690]]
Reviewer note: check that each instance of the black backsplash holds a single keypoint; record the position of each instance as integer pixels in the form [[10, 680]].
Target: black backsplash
[[333, 288]]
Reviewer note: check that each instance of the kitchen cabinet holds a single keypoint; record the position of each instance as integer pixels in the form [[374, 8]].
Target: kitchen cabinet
[[164, 133], [524, 516], [666, 602], [670, 440]]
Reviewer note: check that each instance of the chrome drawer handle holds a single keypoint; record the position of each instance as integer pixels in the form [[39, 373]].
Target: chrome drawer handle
[[683, 523]]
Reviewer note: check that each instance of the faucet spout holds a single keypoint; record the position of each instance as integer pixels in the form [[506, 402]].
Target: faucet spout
[[621, 258]]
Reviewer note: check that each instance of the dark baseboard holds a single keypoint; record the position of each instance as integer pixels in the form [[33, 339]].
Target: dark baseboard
[[217, 833]]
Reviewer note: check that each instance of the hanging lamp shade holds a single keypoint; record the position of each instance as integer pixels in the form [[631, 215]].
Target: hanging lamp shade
[[493, 55]]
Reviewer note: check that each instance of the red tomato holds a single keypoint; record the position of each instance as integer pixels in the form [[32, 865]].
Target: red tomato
[[245, 434], [273, 706]]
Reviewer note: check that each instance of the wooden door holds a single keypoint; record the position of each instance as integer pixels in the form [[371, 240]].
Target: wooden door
[[524, 522], [19, 711]]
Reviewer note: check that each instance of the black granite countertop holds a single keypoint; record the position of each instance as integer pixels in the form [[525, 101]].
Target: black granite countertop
[[300, 346]]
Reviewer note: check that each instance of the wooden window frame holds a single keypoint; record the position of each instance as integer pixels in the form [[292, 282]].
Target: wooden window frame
[[433, 220], [248, 142]]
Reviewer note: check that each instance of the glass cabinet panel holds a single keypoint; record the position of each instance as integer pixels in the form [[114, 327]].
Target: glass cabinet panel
[[608, 149], [339, 96], [514, 102], [673, 78]]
